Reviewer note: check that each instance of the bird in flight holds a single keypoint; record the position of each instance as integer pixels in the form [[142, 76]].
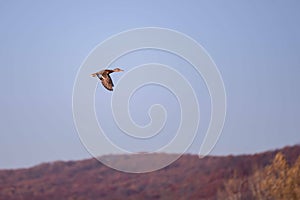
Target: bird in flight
[[105, 78]]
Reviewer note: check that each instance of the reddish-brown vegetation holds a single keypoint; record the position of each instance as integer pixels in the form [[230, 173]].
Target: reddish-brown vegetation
[[187, 178]]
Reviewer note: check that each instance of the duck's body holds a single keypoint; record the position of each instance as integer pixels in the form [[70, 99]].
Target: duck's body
[[105, 78]]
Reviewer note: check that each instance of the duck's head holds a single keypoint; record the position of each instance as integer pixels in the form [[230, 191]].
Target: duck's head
[[118, 70]]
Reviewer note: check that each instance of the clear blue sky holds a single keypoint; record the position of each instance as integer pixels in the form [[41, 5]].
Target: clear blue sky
[[255, 45]]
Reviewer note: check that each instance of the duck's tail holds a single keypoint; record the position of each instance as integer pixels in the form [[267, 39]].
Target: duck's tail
[[93, 75]]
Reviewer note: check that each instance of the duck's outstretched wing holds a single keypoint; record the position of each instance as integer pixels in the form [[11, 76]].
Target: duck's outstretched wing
[[107, 82]]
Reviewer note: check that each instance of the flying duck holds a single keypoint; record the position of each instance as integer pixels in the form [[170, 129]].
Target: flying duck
[[104, 76]]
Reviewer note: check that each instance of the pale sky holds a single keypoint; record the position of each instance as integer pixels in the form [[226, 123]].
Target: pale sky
[[255, 45]]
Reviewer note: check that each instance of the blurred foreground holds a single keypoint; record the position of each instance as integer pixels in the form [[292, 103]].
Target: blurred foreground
[[269, 175]]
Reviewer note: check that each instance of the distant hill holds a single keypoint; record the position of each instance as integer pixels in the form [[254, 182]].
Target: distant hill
[[187, 178]]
